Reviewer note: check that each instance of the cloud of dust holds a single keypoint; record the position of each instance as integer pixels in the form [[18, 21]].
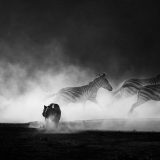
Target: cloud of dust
[[22, 98], [23, 94]]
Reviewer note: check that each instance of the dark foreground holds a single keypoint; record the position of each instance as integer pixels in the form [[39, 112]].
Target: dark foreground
[[17, 141]]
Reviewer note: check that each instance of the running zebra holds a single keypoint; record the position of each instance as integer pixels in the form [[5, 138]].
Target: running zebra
[[131, 86], [145, 94], [82, 93]]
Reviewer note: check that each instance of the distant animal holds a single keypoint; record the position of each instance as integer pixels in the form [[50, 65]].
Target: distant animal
[[132, 86], [145, 94], [82, 93], [52, 112]]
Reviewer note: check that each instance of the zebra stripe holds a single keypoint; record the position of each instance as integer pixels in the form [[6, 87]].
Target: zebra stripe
[[145, 94], [132, 86], [82, 93]]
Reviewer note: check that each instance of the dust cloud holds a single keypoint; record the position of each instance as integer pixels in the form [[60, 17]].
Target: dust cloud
[[25, 86], [22, 98]]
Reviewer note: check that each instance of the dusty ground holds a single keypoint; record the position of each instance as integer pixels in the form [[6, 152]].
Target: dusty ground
[[17, 141]]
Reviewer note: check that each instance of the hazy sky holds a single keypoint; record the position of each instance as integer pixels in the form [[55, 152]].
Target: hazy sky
[[118, 37]]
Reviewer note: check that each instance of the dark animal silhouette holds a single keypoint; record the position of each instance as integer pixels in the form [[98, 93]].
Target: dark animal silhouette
[[52, 112]]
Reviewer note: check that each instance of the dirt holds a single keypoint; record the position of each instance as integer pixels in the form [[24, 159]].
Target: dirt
[[18, 141]]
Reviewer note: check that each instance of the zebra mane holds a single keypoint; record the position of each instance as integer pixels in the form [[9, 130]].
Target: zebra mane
[[100, 76]]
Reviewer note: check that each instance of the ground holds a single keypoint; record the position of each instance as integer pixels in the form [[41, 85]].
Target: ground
[[18, 141]]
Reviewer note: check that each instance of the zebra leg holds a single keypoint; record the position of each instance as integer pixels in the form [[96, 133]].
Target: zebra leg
[[117, 94], [123, 92], [133, 107], [145, 94], [91, 100], [140, 100], [96, 102]]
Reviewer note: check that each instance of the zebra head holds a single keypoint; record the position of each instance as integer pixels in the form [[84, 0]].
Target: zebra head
[[102, 81]]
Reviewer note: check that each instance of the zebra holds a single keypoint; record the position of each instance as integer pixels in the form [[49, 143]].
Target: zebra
[[145, 94], [82, 93], [132, 86]]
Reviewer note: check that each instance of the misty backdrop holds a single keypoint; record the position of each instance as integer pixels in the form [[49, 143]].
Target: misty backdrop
[[118, 37], [48, 45]]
